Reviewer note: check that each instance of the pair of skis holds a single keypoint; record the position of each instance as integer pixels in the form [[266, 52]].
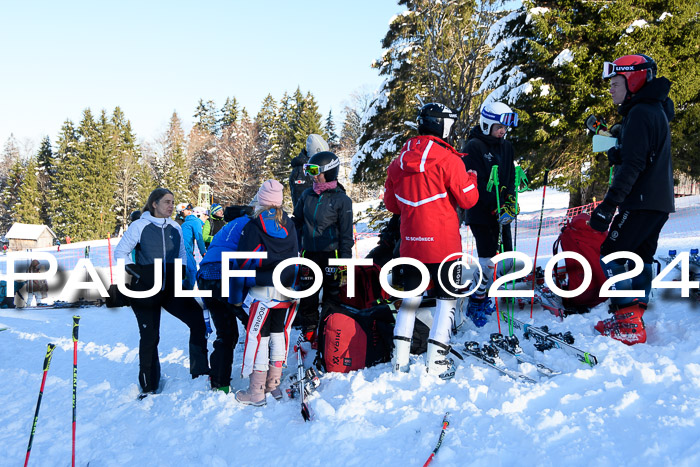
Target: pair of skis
[[304, 382]]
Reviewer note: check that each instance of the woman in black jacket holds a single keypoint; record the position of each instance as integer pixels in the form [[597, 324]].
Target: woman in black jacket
[[155, 236], [324, 216]]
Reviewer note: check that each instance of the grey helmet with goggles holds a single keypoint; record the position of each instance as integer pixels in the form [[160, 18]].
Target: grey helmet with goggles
[[436, 119], [493, 113], [637, 70], [325, 163]]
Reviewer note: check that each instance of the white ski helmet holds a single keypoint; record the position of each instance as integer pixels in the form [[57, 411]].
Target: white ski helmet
[[315, 144], [496, 112]]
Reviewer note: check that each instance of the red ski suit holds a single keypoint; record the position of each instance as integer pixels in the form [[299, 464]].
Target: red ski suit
[[424, 185]]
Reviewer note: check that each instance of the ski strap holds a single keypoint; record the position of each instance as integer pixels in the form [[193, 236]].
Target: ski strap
[[493, 180], [521, 181]]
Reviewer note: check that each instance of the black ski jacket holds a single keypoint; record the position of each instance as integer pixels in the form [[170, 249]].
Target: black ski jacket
[[325, 221], [644, 179], [483, 152], [298, 181]]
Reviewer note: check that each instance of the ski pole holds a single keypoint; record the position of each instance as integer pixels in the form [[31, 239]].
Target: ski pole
[[493, 181], [521, 185], [537, 245], [445, 424], [76, 319], [47, 362]]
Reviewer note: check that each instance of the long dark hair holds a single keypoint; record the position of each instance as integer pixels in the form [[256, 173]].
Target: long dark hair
[[154, 197]]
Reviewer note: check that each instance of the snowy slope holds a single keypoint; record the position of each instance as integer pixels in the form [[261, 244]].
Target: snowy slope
[[639, 406]]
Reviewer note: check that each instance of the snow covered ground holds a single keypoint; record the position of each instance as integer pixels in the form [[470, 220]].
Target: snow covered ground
[[639, 406]]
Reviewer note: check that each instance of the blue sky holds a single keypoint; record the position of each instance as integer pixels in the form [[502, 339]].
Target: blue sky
[[155, 57]]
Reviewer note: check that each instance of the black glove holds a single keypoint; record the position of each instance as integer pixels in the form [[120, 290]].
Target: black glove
[[134, 271], [615, 130], [601, 217], [614, 155]]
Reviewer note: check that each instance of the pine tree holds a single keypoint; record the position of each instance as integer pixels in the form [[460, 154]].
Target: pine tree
[[10, 155], [547, 63], [267, 125], [433, 52], [46, 170], [133, 182], [229, 113], [65, 157], [27, 208], [206, 116], [174, 171], [329, 130], [12, 183]]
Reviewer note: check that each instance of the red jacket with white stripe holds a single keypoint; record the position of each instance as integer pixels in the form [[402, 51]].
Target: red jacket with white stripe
[[425, 184]]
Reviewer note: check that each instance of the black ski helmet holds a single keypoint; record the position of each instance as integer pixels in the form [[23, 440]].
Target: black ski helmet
[[328, 164], [436, 119]]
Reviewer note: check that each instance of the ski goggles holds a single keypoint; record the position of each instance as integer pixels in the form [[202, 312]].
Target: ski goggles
[[507, 119], [313, 169], [610, 69]]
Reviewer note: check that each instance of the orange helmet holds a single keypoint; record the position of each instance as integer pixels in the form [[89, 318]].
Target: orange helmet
[[637, 70]]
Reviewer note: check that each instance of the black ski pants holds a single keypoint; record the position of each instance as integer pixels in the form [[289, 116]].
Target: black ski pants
[[636, 231], [308, 315], [187, 310], [486, 238]]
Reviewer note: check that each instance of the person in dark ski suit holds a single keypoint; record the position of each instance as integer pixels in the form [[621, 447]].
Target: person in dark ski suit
[[641, 190], [487, 147], [298, 180], [424, 185], [213, 224], [324, 216], [156, 236]]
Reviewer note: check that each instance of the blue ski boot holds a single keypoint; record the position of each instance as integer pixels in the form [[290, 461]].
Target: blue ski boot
[[479, 309]]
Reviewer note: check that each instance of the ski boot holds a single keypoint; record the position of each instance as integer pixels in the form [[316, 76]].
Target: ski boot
[[625, 325], [479, 309]]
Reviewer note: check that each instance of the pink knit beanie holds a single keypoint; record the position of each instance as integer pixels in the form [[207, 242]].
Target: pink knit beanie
[[270, 193]]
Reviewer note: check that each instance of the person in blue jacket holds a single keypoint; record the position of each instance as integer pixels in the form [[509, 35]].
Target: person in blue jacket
[[192, 234], [156, 236], [222, 312]]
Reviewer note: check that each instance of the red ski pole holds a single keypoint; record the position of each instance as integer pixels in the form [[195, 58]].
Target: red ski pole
[[445, 423], [47, 362], [76, 319], [537, 246]]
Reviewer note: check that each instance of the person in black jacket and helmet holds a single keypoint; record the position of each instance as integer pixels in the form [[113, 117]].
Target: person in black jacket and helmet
[[323, 214], [298, 181], [641, 190]]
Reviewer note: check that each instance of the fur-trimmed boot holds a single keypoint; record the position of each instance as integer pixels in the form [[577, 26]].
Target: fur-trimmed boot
[[255, 395], [274, 378]]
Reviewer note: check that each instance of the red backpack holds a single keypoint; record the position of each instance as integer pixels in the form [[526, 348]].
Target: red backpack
[[350, 339], [579, 237]]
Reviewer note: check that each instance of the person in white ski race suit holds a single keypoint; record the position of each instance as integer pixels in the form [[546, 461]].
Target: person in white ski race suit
[[425, 184]]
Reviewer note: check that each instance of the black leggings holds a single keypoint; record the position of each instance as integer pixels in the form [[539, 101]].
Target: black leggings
[[187, 310]]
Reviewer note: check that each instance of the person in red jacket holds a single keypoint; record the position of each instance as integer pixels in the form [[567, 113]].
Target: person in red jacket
[[425, 184]]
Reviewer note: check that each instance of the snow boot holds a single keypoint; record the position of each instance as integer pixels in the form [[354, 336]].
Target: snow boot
[[626, 324], [274, 378], [479, 309], [438, 360], [400, 354], [255, 395]]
